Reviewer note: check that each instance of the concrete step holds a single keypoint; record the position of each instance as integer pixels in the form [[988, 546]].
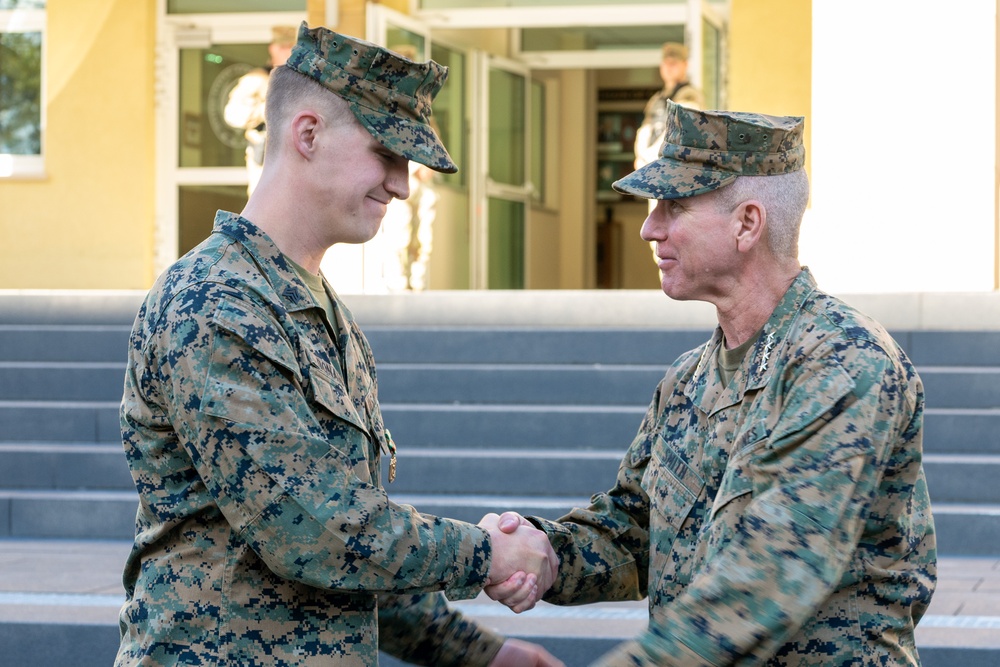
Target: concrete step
[[69, 307], [61, 380], [60, 421], [584, 427], [963, 529], [77, 466], [64, 466], [535, 345], [75, 343], [950, 348], [80, 514], [962, 431], [61, 598], [966, 478], [468, 384], [543, 344], [957, 387], [73, 466], [967, 529], [435, 424], [472, 383], [77, 334], [576, 427]]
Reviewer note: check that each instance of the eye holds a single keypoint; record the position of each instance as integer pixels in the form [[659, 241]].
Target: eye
[[389, 155]]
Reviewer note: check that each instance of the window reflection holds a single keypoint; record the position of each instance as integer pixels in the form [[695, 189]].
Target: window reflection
[[207, 76], [22, 4], [20, 93]]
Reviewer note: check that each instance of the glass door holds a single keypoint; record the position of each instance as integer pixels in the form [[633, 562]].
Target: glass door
[[203, 154], [425, 241], [504, 188]]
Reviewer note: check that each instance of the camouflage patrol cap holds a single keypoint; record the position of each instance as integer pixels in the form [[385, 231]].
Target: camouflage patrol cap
[[284, 35], [704, 150], [674, 51], [390, 95]]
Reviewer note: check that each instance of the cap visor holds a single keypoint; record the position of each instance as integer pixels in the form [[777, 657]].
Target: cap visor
[[667, 179], [414, 141]]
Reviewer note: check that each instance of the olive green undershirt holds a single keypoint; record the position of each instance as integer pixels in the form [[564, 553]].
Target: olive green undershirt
[[730, 360], [314, 281], [337, 328]]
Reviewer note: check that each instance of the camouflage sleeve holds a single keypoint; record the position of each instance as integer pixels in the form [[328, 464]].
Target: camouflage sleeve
[[424, 630], [231, 384], [604, 549], [813, 477]]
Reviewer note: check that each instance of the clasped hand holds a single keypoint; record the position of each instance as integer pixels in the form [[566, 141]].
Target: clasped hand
[[524, 563]]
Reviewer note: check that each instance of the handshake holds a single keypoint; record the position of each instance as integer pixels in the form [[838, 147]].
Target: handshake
[[524, 563]]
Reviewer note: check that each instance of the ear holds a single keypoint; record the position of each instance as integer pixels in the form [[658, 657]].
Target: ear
[[304, 130], [750, 219]]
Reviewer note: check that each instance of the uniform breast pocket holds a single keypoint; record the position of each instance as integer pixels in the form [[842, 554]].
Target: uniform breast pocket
[[736, 492], [673, 488], [737, 480]]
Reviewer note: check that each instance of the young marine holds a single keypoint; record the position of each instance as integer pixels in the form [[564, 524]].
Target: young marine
[[251, 422]]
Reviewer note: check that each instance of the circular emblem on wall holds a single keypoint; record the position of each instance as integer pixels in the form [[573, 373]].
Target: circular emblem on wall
[[218, 97]]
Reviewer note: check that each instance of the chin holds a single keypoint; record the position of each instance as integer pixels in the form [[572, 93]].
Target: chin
[[674, 292]]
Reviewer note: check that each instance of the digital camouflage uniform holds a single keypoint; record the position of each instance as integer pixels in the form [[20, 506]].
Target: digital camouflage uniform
[[782, 519], [263, 536], [252, 428]]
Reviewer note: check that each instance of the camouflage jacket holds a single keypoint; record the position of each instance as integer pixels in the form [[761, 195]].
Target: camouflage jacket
[[263, 536], [780, 520]]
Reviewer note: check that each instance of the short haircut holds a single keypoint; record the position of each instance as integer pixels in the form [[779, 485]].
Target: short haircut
[[784, 196], [288, 92]]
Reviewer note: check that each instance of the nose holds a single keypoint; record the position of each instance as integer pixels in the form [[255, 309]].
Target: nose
[[397, 179], [654, 227]]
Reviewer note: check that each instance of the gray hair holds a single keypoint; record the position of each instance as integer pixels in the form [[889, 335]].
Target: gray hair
[[784, 197]]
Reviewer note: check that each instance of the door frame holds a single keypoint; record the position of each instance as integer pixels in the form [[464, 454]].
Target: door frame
[[173, 33]]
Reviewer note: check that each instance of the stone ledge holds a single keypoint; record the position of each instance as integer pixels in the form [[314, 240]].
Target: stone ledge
[[611, 309]]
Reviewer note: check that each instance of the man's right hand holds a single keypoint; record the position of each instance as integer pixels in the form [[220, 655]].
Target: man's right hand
[[524, 563]]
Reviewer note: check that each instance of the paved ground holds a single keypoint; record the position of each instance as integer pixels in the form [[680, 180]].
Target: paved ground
[[78, 581]]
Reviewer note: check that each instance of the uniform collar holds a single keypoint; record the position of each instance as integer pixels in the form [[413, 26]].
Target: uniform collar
[[277, 270], [705, 388]]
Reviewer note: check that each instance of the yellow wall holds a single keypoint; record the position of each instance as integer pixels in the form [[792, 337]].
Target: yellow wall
[[89, 222], [770, 59]]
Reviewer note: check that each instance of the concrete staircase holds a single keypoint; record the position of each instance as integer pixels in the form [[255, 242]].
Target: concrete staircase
[[532, 414]]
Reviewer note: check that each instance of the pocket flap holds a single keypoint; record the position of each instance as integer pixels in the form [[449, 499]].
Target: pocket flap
[[260, 333]]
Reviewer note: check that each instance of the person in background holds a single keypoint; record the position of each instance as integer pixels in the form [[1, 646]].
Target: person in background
[[244, 109], [773, 505], [251, 421], [408, 227], [676, 88]]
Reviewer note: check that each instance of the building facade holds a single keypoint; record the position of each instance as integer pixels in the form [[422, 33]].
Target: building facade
[[115, 151]]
